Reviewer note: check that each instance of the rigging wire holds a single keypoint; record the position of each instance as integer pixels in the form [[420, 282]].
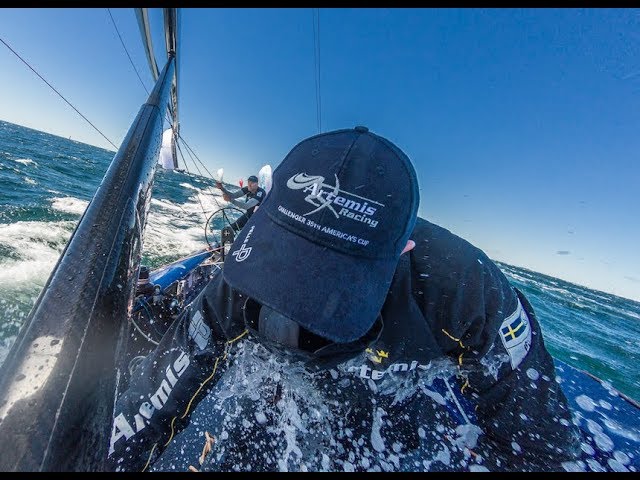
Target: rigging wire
[[198, 196], [192, 154], [127, 51], [207, 219], [208, 187], [316, 56], [59, 94]]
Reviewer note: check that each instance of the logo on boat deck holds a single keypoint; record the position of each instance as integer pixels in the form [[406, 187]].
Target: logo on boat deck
[[515, 333], [322, 195], [243, 252]]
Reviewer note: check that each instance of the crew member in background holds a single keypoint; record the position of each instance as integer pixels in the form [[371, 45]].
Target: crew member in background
[[254, 194]]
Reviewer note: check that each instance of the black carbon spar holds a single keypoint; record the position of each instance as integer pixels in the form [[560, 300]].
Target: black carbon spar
[[58, 382]]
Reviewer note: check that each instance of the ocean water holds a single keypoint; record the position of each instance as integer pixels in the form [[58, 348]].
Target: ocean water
[[47, 181]]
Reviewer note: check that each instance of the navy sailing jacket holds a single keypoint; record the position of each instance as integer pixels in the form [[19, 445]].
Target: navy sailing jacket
[[454, 374]]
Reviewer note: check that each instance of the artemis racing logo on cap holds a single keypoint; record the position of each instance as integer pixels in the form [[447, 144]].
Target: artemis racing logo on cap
[[322, 195]]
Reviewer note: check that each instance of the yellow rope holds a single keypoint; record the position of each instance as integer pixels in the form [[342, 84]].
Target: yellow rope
[[150, 455], [215, 368], [466, 384], [453, 338], [466, 379]]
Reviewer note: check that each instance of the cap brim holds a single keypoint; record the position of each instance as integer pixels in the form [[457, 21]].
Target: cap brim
[[331, 294]]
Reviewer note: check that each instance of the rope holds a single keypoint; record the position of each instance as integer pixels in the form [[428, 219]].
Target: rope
[[194, 153], [191, 152], [149, 339], [127, 51], [59, 94]]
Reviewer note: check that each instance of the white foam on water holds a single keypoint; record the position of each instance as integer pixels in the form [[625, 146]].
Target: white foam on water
[[176, 230], [38, 246], [170, 232], [30, 181], [69, 205], [166, 204], [188, 185], [26, 161]]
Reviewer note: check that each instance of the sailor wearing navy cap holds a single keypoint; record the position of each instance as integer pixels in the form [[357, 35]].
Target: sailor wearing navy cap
[[417, 351]]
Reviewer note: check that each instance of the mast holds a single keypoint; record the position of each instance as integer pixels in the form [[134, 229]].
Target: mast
[[58, 382], [171, 30]]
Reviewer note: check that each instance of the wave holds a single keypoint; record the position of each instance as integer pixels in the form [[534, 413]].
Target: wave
[[69, 205], [25, 161]]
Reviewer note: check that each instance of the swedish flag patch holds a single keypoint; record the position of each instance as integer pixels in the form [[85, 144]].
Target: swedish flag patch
[[515, 333]]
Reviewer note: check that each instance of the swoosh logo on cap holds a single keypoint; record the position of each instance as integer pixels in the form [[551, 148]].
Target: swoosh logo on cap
[[302, 180]]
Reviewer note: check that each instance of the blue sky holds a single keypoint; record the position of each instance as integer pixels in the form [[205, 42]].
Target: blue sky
[[523, 125]]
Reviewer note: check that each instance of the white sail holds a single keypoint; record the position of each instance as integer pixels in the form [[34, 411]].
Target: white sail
[[166, 151], [265, 177]]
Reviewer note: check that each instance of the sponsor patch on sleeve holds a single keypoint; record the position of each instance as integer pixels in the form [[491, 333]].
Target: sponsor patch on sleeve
[[515, 333], [199, 331]]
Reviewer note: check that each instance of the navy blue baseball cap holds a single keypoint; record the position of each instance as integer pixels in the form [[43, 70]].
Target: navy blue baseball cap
[[323, 247], [253, 178]]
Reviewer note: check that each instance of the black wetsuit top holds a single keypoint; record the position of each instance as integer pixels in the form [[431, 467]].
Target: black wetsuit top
[[252, 199], [450, 309]]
